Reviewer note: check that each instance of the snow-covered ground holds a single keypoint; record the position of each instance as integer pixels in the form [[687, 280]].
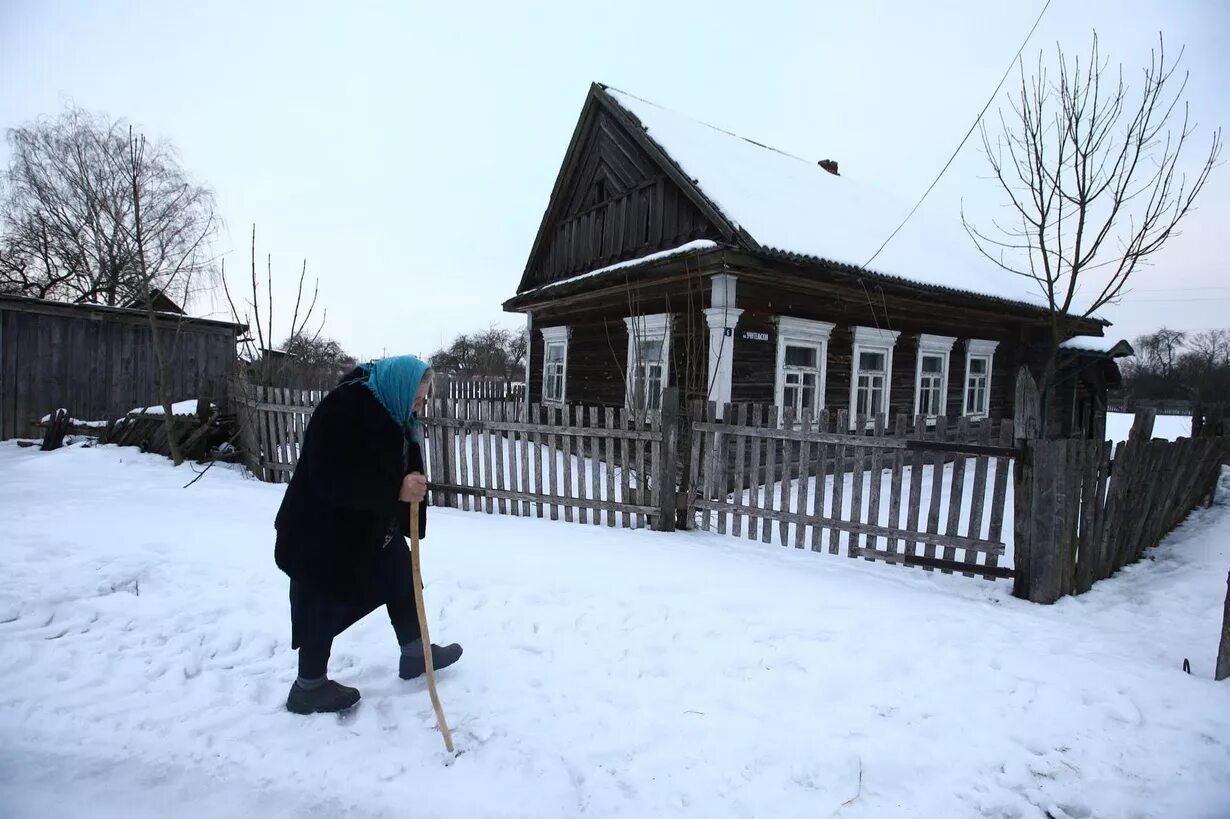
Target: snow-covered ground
[[144, 663], [1170, 427]]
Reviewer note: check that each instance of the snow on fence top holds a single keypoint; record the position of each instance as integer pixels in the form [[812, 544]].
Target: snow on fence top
[[794, 206]]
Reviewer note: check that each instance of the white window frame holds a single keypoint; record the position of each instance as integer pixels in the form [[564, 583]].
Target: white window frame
[[554, 336], [934, 346], [798, 332], [978, 348], [656, 327], [872, 340]]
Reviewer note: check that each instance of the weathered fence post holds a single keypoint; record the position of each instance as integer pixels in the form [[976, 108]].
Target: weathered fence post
[[668, 481], [1223, 652], [245, 414], [1026, 420]]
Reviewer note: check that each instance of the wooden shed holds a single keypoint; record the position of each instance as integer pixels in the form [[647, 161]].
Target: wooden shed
[[98, 362], [675, 253]]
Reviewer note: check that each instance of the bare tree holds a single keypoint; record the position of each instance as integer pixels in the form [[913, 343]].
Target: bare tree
[[261, 362], [67, 215], [317, 360], [495, 352], [169, 222], [1093, 176]]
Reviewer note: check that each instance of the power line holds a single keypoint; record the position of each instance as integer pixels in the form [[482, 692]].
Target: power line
[[1164, 301], [964, 139]]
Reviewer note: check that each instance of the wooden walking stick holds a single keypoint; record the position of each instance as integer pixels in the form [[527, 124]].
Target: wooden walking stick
[[426, 638]]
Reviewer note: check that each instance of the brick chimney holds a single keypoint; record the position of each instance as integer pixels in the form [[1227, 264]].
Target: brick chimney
[[829, 165]]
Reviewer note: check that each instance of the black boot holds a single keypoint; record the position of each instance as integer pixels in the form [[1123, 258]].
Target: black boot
[[327, 698], [412, 658]]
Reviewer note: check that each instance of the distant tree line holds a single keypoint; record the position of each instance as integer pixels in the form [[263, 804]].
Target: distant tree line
[[1174, 365], [494, 352]]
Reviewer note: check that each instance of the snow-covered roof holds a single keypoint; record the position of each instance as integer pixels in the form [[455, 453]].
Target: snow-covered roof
[[1116, 348], [794, 206], [695, 246]]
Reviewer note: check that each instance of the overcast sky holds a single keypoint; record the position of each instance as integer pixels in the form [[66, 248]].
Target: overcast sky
[[407, 150]]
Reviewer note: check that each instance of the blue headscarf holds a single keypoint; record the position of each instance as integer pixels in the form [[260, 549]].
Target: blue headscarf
[[395, 382]]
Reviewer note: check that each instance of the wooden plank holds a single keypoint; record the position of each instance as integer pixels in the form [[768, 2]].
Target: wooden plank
[[867, 441], [668, 474], [267, 454], [595, 461], [819, 496], [788, 422], [504, 463], [552, 462], [698, 443], [987, 572], [974, 527], [895, 485], [804, 471], [956, 491], [477, 431], [461, 411], [582, 462], [494, 465], [625, 484], [1097, 561], [937, 486], [528, 498], [526, 488], [1047, 524], [875, 480], [1003, 469], [858, 455], [914, 503], [755, 475], [1086, 555], [640, 420], [740, 477], [721, 442], [525, 427], [610, 464], [656, 479], [710, 455], [839, 484], [450, 445], [535, 449], [562, 423], [869, 529], [770, 477]]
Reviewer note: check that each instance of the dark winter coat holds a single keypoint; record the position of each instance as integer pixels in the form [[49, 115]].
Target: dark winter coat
[[342, 499]]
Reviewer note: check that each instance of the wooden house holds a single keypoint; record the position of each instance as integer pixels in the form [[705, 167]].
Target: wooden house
[[675, 253]]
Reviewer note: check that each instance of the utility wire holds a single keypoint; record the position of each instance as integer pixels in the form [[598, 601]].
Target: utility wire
[[964, 139]]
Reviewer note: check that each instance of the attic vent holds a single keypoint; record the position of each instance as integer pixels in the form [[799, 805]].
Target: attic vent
[[829, 165]]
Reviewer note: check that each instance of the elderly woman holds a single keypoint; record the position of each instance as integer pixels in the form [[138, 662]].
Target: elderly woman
[[341, 525]]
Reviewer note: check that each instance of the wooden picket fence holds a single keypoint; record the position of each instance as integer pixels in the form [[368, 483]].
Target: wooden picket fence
[[590, 464], [932, 495], [479, 387], [1083, 515], [900, 496], [272, 421]]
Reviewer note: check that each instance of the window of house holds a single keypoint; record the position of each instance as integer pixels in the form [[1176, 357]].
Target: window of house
[[931, 377], [979, 356], [870, 381], [555, 364], [648, 360], [802, 355]]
